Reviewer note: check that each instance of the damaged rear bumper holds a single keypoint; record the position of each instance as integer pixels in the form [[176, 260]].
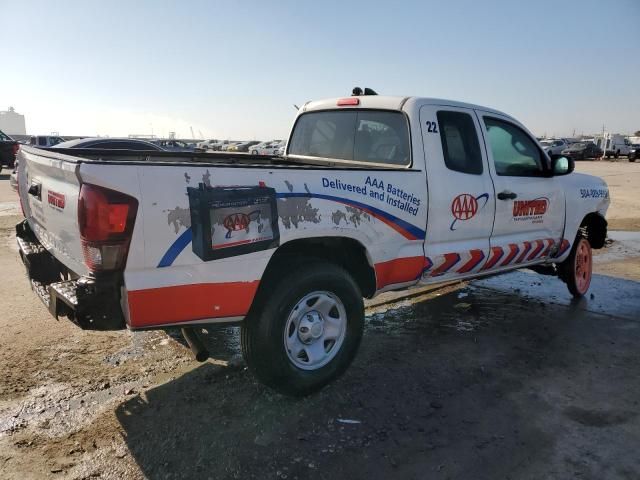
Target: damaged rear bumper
[[91, 303]]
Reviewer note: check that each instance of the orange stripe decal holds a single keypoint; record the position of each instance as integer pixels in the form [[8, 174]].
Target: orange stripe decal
[[183, 303], [400, 270]]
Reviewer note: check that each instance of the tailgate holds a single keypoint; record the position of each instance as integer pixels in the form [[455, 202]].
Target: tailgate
[[49, 189]]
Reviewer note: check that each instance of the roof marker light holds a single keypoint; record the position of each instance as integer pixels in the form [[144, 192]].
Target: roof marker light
[[348, 101]]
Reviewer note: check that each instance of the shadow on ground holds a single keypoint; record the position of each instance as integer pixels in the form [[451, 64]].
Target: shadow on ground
[[473, 384]]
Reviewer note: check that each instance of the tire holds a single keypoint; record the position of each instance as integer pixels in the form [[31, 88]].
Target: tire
[[276, 346], [617, 154], [576, 270], [632, 159]]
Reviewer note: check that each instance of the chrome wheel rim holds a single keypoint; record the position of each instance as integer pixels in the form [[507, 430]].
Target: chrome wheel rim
[[315, 330]]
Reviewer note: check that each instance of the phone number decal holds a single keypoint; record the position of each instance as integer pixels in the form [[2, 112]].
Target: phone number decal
[[594, 193]]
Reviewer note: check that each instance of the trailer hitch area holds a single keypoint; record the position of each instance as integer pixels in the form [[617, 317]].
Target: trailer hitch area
[[195, 343]]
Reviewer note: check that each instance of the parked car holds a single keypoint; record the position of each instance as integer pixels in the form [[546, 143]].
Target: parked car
[[174, 145], [8, 150], [111, 144], [582, 151], [206, 145], [45, 141], [288, 251], [245, 146], [554, 146], [228, 146], [266, 148], [13, 177], [634, 152]]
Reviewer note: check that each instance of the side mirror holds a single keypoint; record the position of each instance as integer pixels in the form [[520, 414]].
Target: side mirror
[[561, 165]]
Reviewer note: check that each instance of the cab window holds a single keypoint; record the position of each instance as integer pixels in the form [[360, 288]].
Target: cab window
[[460, 145], [370, 136], [514, 152]]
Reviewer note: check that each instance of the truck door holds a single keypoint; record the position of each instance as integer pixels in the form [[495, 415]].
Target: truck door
[[461, 200], [530, 205]]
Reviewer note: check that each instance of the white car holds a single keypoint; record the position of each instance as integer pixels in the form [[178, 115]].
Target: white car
[[206, 145], [554, 146], [376, 193], [266, 148]]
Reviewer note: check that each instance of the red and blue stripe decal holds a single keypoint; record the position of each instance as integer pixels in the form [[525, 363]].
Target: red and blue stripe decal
[[407, 230], [496, 255], [564, 246]]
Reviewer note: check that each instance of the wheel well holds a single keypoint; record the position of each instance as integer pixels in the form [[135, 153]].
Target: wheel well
[[346, 252], [594, 227]]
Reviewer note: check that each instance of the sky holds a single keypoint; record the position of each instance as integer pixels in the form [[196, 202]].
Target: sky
[[235, 69]]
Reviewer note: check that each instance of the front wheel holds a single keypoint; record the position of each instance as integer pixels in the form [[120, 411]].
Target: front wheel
[[306, 330], [576, 270]]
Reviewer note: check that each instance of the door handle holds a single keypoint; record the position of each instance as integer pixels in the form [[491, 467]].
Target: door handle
[[507, 195]]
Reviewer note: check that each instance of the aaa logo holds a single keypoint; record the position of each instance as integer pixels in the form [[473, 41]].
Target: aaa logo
[[465, 206], [238, 221]]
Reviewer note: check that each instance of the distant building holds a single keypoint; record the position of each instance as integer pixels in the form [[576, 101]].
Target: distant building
[[12, 123]]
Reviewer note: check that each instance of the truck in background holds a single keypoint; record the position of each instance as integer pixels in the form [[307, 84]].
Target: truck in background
[[612, 144]]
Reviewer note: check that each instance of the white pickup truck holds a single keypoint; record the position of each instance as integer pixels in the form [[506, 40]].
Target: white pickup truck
[[374, 193]]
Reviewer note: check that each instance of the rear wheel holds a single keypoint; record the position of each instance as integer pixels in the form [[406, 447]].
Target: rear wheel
[[307, 329], [576, 270]]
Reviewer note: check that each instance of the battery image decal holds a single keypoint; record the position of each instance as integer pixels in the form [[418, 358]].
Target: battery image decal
[[230, 221]]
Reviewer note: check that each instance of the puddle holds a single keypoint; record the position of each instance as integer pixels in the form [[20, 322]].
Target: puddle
[[624, 245], [607, 295]]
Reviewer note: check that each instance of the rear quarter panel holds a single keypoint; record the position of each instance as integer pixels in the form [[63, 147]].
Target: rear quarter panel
[[167, 282]]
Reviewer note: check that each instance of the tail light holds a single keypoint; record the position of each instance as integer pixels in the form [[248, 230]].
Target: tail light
[[106, 220], [16, 147]]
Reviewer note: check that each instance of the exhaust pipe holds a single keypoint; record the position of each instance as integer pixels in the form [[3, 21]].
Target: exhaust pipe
[[195, 344]]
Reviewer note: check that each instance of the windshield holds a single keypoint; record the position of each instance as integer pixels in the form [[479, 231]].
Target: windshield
[[4, 137], [578, 145]]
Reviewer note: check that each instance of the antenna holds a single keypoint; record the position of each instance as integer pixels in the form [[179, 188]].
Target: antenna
[[296, 106]]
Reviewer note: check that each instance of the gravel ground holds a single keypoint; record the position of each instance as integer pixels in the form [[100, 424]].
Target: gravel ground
[[502, 378]]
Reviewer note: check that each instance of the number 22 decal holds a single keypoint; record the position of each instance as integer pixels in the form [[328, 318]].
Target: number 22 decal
[[432, 127]]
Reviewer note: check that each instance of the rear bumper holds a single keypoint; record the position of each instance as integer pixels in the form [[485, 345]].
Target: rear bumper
[[90, 303]]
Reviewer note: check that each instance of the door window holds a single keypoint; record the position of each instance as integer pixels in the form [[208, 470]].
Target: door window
[[460, 145], [514, 152]]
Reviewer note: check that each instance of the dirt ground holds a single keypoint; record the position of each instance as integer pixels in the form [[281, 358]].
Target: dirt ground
[[506, 377]]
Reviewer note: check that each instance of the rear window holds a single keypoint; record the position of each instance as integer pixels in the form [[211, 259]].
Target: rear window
[[371, 136]]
